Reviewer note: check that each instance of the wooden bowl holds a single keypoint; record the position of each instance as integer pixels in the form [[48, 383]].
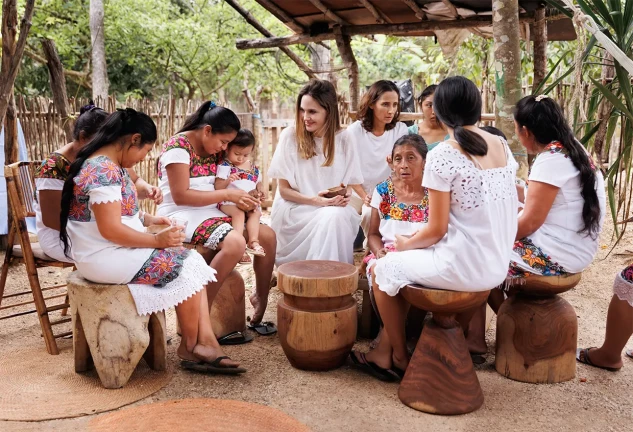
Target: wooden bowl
[[336, 191]]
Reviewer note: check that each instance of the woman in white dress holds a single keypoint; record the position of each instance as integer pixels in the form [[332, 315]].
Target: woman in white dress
[[49, 181], [373, 135], [471, 227], [311, 157], [187, 169], [102, 228]]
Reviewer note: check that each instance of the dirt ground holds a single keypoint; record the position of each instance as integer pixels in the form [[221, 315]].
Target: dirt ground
[[346, 400]]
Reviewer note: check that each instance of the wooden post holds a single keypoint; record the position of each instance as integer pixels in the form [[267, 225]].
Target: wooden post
[[540, 47], [100, 82], [505, 30], [58, 85], [343, 42]]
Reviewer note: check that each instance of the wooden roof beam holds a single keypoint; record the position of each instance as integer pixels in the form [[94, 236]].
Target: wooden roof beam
[[263, 30], [415, 8], [293, 24], [328, 13], [372, 29], [381, 18]]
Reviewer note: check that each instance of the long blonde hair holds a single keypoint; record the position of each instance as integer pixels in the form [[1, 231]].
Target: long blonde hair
[[325, 94]]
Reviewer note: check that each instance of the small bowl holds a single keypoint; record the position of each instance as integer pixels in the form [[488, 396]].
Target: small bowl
[[336, 191]]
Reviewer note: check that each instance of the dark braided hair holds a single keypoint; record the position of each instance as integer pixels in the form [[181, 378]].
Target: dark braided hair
[[545, 120], [117, 125], [457, 103], [90, 118]]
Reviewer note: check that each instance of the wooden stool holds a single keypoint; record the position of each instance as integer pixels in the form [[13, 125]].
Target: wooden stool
[[108, 331], [317, 316], [440, 378], [537, 331]]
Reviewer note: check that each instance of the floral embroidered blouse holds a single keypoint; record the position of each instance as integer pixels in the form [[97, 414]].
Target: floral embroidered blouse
[[397, 217], [248, 179]]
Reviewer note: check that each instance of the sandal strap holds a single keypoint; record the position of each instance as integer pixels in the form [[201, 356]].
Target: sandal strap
[[216, 362]]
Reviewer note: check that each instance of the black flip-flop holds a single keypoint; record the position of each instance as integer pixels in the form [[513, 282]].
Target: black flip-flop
[[371, 368], [477, 359], [213, 367], [264, 328], [586, 360], [235, 338]]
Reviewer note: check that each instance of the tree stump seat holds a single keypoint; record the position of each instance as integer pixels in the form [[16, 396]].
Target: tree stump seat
[[317, 316], [109, 333], [440, 378], [537, 331]]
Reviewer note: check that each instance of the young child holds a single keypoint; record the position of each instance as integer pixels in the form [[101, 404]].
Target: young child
[[237, 171]]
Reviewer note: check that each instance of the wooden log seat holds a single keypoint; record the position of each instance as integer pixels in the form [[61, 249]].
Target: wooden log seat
[[317, 316], [109, 333], [537, 331], [440, 378]]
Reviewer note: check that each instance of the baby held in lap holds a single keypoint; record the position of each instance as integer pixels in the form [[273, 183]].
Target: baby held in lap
[[400, 204], [238, 172]]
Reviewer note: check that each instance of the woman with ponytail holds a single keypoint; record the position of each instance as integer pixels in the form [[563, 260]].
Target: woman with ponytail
[[471, 225], [564, 198], [103, 230], [187, 169], [49, 181]]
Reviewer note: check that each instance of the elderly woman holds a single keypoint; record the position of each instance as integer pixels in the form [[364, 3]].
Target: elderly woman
[[373, 134], [187, 169], [49, 181], [430, 128], [311, 157]]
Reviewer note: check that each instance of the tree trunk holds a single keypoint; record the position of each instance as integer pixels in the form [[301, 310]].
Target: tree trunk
[[343, 42], [58, 85], [99, 67], [540, 48], [505, 30], [608, 72], [320, 61]]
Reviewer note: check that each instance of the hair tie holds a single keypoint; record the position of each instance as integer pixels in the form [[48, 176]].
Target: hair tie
[[541, 97], [212, 105]]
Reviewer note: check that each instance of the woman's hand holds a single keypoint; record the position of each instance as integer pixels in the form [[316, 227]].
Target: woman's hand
[[242, 200], [381, 253], [155, 220], [337, 201], [170, 237], [402, 243], [147, 191]]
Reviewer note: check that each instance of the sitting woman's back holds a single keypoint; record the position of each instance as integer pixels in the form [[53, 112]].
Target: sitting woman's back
[[472, 220]]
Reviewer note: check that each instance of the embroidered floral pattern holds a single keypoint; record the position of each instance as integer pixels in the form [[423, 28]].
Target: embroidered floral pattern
[[390, 208], [207, 230], [198, 166], [162, 267], [100, 172], [55, 167], [533, 256], [251, 175], [627, 274]]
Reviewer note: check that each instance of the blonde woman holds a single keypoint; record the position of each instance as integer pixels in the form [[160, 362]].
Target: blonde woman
[[311, 157]]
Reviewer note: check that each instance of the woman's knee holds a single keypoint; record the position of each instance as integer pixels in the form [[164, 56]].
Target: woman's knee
[[233, 243], [267, 238]]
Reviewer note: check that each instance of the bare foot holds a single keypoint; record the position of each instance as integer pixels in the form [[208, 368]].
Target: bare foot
[[373, 344], [382, 358], [599, 358], [208, 354], [476, 345], [259, 304], [400, 363]]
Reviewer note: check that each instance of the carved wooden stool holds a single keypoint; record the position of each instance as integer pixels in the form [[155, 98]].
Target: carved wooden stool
[[537, 331], [317, 316], [108, 331], [440, 378]]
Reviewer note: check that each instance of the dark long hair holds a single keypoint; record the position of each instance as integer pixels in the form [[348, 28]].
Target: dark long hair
[[545, 120], [117, 125], [221, 120], [457, 103], [414, 140], [243, 139], [90, 118], [365, 111], [426, 93]]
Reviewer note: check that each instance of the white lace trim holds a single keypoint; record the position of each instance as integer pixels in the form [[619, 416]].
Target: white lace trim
[[471, 187], [105, 194], [623, 289], [390, 274], [194, 276], [217, 235]]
